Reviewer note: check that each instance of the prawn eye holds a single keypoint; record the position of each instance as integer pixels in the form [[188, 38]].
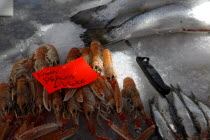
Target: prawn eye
[[114, 107], [74, 110], [88, 113], [6, 108], [24, 105]]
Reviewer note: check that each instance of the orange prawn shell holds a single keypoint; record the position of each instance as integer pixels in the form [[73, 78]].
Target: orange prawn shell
[[108, 64], [22, 67], [39, 58], [86, 54], [128, 82], [73, 54], [5, 97]]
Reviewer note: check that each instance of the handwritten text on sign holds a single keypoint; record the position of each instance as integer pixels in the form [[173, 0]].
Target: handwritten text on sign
[[72, 75]]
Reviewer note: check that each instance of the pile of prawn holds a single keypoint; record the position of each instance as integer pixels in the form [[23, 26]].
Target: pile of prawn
[[25, 103]]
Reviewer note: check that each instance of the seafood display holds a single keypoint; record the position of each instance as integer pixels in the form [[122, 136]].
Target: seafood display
[[177, 17], [182, 119], [29, 112]]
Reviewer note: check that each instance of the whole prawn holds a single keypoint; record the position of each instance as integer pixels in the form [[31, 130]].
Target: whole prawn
[[23, 92], [5, 99], [130, 91], [94, 85], [73, 54], [111, 76], [46, 56], [96, 49]]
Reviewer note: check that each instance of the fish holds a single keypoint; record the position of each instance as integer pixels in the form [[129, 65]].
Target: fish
[[104, 15], [197, 115], [178, 17], [83, 5], [165, 110], [204, 108], [184, 118], [163, 129]]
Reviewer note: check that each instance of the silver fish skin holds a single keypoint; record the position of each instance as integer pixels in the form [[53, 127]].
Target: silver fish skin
[[206, 111], [101, 16], [163, 129], [164, 109], [179, 17], [184, 118], [197, 115]]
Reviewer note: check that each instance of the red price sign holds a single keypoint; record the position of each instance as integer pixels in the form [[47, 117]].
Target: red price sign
[[72, 75]]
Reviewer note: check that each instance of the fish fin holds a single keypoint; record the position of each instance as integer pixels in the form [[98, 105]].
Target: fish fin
[[178, 88], [88, 18], [151, 102], [172, 88], [95, 34], [107, 25], [194, 98], [179, 94]]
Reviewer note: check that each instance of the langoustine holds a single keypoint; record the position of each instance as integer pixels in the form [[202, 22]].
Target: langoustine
[[73, 54], [46, 56], [23, 92]]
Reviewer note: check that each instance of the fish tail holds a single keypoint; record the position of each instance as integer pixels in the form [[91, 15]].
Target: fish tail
[[95, 34], [87, 19], [195, 100], [151, 102], [172, 88], [179, 88]]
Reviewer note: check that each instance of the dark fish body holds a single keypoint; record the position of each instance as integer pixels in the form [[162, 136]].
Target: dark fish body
[[206, 111], [180, 17], [184, 118], [166, 111], [103, 15], [197, 115]]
